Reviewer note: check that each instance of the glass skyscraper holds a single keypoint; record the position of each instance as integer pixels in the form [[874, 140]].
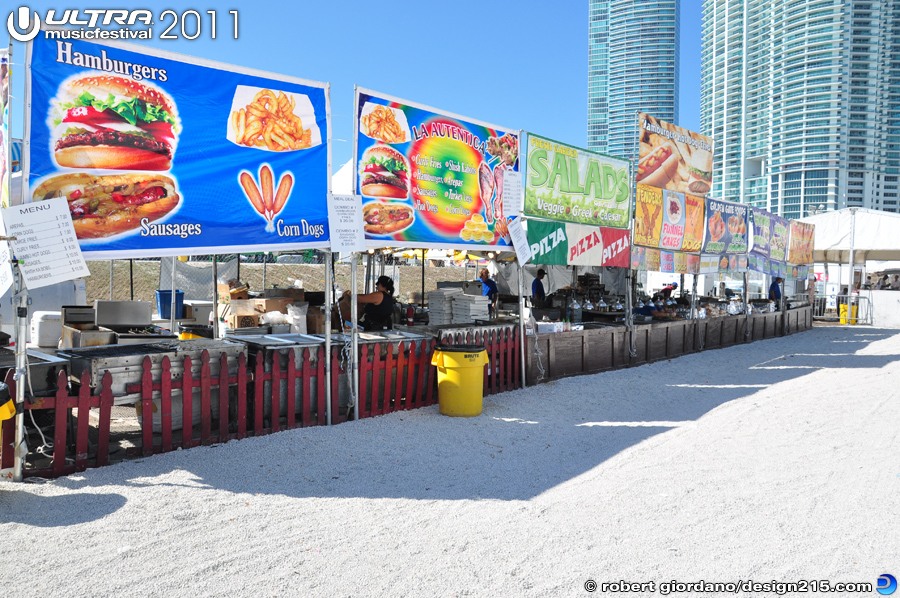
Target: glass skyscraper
[[803, 100], [632, 66]]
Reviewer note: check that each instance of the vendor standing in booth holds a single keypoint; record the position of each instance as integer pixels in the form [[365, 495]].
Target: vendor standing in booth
[[775, 291], [537, 287], [667, 290], [489, 289], [377, 307]]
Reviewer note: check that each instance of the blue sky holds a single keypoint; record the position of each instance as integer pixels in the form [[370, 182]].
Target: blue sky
[[519, 65]]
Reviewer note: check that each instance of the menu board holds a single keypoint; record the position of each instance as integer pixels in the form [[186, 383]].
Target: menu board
[[429, 178], [726, 224], [571, 184], [762, 232], [674, 158], [45, 242], [801, 249], [162, 154], [778, 242], [655, 260], [667, 219], [345, 223]]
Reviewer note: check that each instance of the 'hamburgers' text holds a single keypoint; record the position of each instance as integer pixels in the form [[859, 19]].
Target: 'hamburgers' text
[[66, 55]]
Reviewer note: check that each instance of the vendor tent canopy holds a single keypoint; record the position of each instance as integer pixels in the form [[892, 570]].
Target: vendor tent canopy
[[877, 236]]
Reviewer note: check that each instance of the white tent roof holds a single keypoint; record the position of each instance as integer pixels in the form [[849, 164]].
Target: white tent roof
[[342, 180], [877, 236]]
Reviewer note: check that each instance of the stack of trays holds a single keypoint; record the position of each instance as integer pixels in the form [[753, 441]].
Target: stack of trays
[[468, 308], [440, 311]]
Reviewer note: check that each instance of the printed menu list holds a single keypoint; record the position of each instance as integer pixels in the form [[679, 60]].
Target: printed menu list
[[345, 223], [45, 245]]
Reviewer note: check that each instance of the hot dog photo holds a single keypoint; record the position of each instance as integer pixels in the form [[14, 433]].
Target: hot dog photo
[[674, 158]]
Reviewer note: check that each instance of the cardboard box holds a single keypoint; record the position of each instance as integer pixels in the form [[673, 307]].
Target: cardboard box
[[242, 320], [227, 294], [315, 321], [259, 306]]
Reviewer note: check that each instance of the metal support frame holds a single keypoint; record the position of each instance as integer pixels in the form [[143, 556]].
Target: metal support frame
[[329, 301], [354, 334], [522, 343], [215, 277]]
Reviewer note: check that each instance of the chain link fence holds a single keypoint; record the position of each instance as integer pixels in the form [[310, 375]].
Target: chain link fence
[[139, 279]]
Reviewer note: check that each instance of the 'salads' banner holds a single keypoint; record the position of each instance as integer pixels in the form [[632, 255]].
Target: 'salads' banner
[[570, 184], [161, 154]]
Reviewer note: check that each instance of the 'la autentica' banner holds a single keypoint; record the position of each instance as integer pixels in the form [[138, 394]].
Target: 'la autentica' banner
[[432, 179], [161, 154], [570, 184]]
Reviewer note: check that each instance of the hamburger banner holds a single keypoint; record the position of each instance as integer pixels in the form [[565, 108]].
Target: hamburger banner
[[566, 244], [726, 227], [570, 184], [162, 154], [668, 220], [674, 158], [433, 179]]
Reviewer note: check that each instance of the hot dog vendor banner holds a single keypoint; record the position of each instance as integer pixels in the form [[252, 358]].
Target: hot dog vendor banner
[[673, 158], [566, 244], [727, 230], [801, 248], [668, 220], [162, 154], [570, 184], [432, 179]]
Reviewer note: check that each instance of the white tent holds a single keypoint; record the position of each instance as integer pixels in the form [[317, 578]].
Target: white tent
[[876, 236]]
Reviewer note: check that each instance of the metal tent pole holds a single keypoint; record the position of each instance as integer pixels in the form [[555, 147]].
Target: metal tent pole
[[850, 283], [215, 314], [354, 334], [328, 302], [172, 313], [21, 373], [131, 277], [423, 281], [746, 304], [522, 343]]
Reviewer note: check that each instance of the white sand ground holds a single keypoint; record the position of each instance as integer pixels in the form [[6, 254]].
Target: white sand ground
[[779, 460]]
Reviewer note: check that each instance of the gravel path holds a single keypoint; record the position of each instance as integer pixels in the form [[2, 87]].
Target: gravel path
[[779, 460]]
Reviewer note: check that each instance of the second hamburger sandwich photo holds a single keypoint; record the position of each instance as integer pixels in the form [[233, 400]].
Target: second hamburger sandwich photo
[[383, 172]]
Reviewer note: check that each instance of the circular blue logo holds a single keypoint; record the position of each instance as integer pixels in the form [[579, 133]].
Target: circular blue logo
[[887, 584]]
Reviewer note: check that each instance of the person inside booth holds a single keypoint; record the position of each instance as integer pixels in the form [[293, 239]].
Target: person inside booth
[[378, 307]]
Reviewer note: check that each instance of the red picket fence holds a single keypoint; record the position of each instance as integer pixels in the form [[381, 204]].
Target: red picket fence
[[252, 402], [389, 382], [502, 345], [67, 457]]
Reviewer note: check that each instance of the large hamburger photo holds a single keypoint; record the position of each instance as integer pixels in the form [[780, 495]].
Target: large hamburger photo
[[113, 123], [383, 172]]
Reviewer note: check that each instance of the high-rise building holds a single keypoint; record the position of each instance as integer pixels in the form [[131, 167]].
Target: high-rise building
[[803, 100], [632, 66]]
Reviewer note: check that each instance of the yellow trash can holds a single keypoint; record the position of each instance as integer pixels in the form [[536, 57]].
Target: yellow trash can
[[853, 312], [460, 375]]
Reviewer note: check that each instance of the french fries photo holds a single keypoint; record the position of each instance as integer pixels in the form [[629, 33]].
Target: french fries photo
[[269, 122], [382, 124]]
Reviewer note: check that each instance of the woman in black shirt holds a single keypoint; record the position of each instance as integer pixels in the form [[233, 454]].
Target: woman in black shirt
[[378, 307]]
